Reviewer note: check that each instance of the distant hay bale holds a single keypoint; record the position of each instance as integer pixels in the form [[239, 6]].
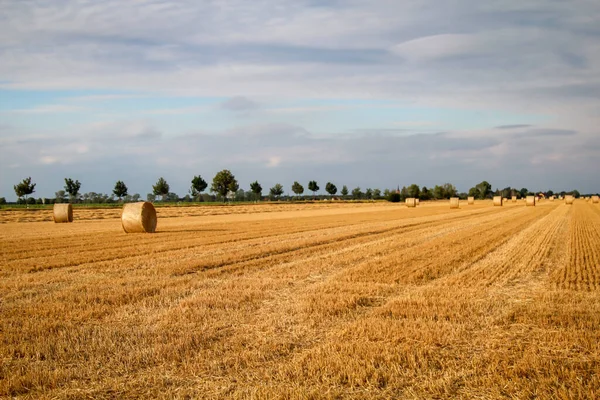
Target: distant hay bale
[[551, 198], [595, 199], [530, 201], [411, 202], [514, 199], [454, 202], [470, 200], [569, 199], [498, 200], [504, 200], [139, 217], [63, 213], [417, 201]]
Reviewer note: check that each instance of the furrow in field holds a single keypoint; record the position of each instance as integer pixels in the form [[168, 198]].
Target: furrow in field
[[582, 268]]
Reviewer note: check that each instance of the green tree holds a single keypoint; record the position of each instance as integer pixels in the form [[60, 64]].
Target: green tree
[[161, 188], [438, 192], [473, 192], [576, 194], [72, 187], [425, 193], [357, 193], [198, 186], [523, 192], [2, 200], [24, 188], [414, 191], [344, 191], [313, 187], [484, 189], [276, 191], [449, 190], [331, 188], [369, 193], [120, 190], [256, 189], [376, 194], [297, 188], [223, 183]]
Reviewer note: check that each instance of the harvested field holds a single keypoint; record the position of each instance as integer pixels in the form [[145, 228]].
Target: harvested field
[[304, 301]]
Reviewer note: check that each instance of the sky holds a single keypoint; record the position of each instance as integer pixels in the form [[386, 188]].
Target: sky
[[373, 94]]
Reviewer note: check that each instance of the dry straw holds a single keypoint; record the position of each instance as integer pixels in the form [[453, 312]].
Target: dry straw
[[595, 199], [454, 202], [139, 217], [498, 200], [530, 201], [411, 202], [417, 201], [514, 199], [551, 198], [470, 200], [569, 199], [63, 213]]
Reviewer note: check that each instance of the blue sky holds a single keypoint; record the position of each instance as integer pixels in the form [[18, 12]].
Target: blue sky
[[369, 94]]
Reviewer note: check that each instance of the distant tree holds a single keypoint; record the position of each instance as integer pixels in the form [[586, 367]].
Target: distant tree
[[387, 192], [393, 196], [376, 194], [523, 192], [135, 197], [404, 193], [576, 194], [276, 191], [161, 188], [331, 189], [59, 197], [357, 194], [473, 192], [414, 191], [297, 188], [549, 193], [173, 197], [483, 190], [120, 190], [24, 188], [438, 192], [256, 189], [198, 186], [369, 193], [151, 197], [449, 190], [344, 191], [313, 187], [2, 200], [425, 194], [72, 187], [223, 183], [506, 192]]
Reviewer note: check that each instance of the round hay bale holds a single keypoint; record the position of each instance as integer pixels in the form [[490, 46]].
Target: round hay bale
[[530, 201], [514, 199], [454, 202], [470, 200], [416, 201], [63, 213], [139, 217], [411, 202], [498, 201], [595, 199], [569, 199]]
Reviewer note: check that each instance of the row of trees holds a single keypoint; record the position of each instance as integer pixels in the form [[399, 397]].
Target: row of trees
[[225, 187]]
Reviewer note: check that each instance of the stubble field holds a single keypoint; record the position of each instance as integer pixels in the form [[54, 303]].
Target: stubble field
[[328, 300]]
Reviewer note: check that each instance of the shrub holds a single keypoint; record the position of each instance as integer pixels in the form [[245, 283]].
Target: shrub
[[394, 197]]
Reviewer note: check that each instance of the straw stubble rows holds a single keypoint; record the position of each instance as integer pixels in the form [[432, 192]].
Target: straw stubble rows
[[369, 301]]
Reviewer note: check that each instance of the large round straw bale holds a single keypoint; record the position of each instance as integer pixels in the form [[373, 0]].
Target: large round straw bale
[[411, 202], [63, 213], [595, 199], [530, 201], [514, 199], [416, 201], [498, 200], [454, 202], [569, 199], [551, 198], [470, 200], [139, 217]]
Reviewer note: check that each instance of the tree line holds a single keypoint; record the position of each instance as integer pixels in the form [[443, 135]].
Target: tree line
[[224, 187]]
